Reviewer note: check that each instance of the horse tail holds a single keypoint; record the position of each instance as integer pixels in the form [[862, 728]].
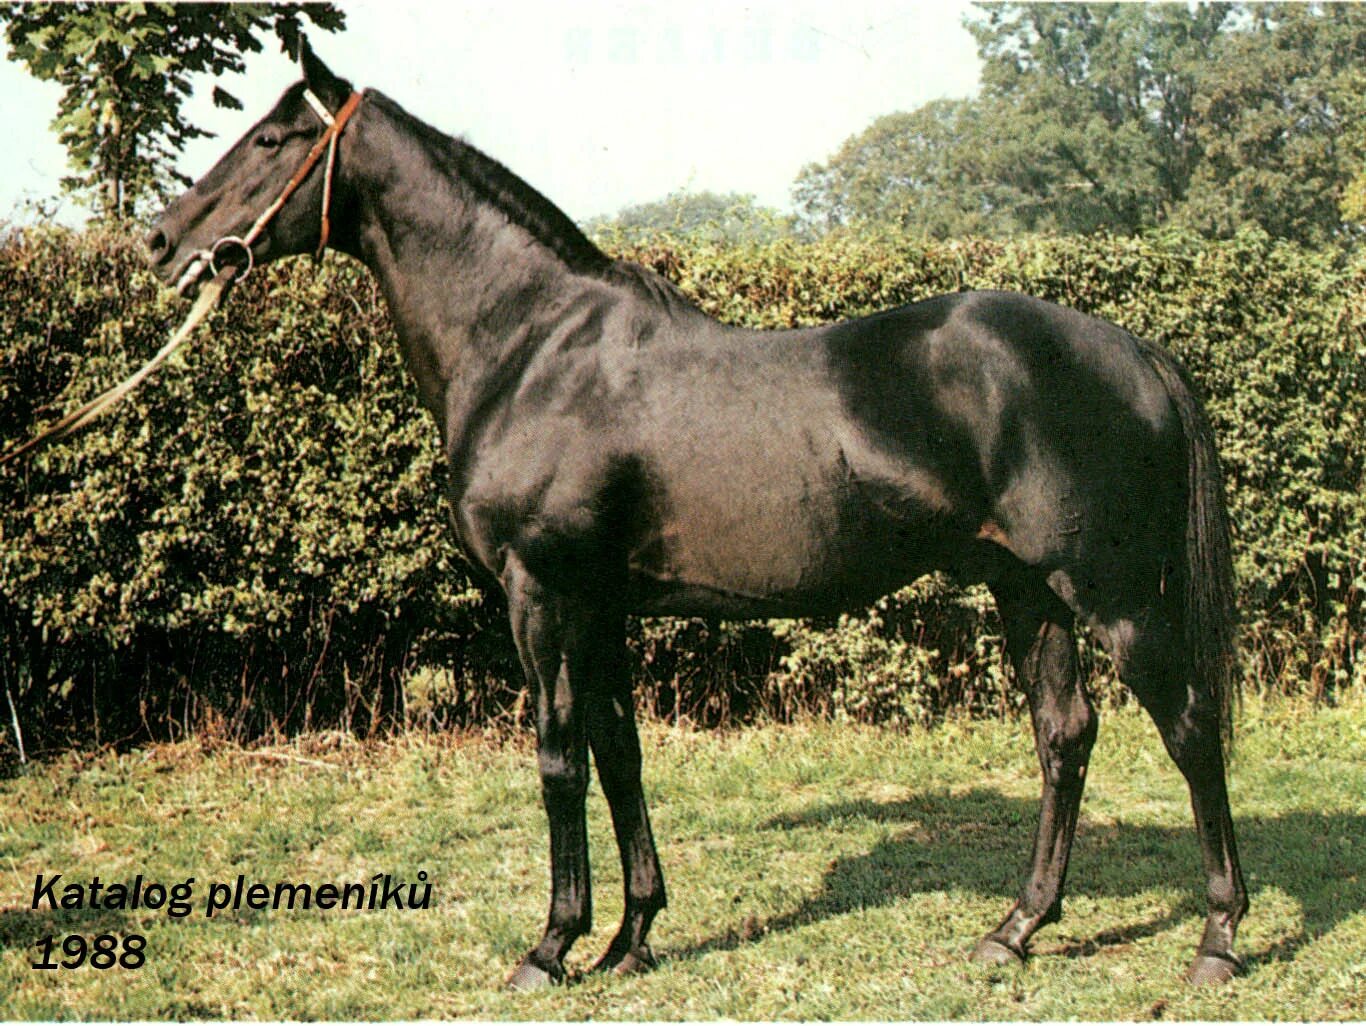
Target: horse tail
[[1209, 618]]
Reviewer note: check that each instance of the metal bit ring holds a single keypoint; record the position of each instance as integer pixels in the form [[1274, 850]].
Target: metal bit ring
[[229, 241]]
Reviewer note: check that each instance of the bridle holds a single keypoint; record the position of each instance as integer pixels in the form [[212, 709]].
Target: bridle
[[335, 124]]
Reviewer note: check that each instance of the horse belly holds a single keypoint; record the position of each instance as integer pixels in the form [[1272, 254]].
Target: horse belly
[[777, 538]]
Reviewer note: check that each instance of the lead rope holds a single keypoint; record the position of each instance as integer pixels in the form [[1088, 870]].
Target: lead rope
[[77, 419], [213, 291]]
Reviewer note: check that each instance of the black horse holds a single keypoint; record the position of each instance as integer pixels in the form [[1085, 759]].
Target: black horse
[[612, 451]]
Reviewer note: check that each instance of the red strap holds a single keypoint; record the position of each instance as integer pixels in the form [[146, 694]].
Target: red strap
[[332, 132]]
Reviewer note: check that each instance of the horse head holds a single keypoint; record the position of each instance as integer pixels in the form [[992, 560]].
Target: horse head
[[266, 197]]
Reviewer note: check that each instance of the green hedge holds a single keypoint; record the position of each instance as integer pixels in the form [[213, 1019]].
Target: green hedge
[[225, 547], [256, 540]]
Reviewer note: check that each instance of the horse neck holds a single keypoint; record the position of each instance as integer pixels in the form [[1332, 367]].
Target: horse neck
[[467, 286]]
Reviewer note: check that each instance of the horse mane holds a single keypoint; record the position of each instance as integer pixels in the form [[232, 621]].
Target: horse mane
[[523, 206], [493, 183], [653, 285]]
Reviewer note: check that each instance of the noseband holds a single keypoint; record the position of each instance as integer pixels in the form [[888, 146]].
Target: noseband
[[326, 142]]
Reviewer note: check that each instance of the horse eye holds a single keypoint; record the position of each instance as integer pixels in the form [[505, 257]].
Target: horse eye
[[268, 141]]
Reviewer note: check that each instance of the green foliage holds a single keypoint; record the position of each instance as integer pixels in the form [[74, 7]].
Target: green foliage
[[223, 543], [257, 537], [908, 659], [1121, 118], [702, 216], [124, 70]]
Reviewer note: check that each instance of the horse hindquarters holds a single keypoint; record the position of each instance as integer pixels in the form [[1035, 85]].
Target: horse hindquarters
[[1144, 556]]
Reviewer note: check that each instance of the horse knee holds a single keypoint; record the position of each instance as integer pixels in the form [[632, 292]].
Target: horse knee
[[1074, 733], [1227, 897], [562, 778]]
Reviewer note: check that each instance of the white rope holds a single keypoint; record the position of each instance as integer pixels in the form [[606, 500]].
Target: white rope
[[77, 419], [327, 194], [14, 721]]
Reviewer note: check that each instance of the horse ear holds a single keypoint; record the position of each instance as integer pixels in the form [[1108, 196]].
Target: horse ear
[[332, 90]]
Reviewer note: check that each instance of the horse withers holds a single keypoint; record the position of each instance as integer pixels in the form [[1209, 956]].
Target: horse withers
[[614, 451]]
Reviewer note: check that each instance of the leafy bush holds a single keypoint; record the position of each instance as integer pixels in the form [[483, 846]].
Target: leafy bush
[[225, 546], [257, 538]]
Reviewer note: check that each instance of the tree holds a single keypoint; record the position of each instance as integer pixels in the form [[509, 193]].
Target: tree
[[920, 172], [1280, 111], [1095, 108], [1085, 122], [1121, 117], [125, 69], [717, 217]]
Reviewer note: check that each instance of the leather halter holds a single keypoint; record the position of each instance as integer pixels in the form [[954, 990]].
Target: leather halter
[[326, 142]]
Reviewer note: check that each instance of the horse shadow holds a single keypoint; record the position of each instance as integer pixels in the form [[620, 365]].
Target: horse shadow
[[978, 841]]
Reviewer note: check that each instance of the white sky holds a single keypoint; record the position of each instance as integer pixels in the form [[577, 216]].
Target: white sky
[[597, 103]]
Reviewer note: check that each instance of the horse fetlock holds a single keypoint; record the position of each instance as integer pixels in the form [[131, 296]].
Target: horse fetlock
[[1008, 944], [642, 906], [1228, 903]]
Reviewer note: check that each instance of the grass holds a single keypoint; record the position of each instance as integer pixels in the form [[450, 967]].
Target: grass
[[815, 872]]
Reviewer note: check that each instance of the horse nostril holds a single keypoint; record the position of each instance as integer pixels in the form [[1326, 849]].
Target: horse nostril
[[158, 246]]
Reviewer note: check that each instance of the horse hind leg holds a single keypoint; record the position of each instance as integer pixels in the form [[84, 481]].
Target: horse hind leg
[[1149, 661], [1040, 643]]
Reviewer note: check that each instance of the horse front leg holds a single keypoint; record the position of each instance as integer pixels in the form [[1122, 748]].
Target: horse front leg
[[616, 750], [1039, 639], [550, 643]]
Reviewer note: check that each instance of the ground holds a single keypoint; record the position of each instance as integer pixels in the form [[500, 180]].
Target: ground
[[815, 871]]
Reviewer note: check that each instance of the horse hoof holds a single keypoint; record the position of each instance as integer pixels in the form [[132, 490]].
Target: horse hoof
[[642, 960], [992, 952], [1212, 970], [530, 976], [637, 960]]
